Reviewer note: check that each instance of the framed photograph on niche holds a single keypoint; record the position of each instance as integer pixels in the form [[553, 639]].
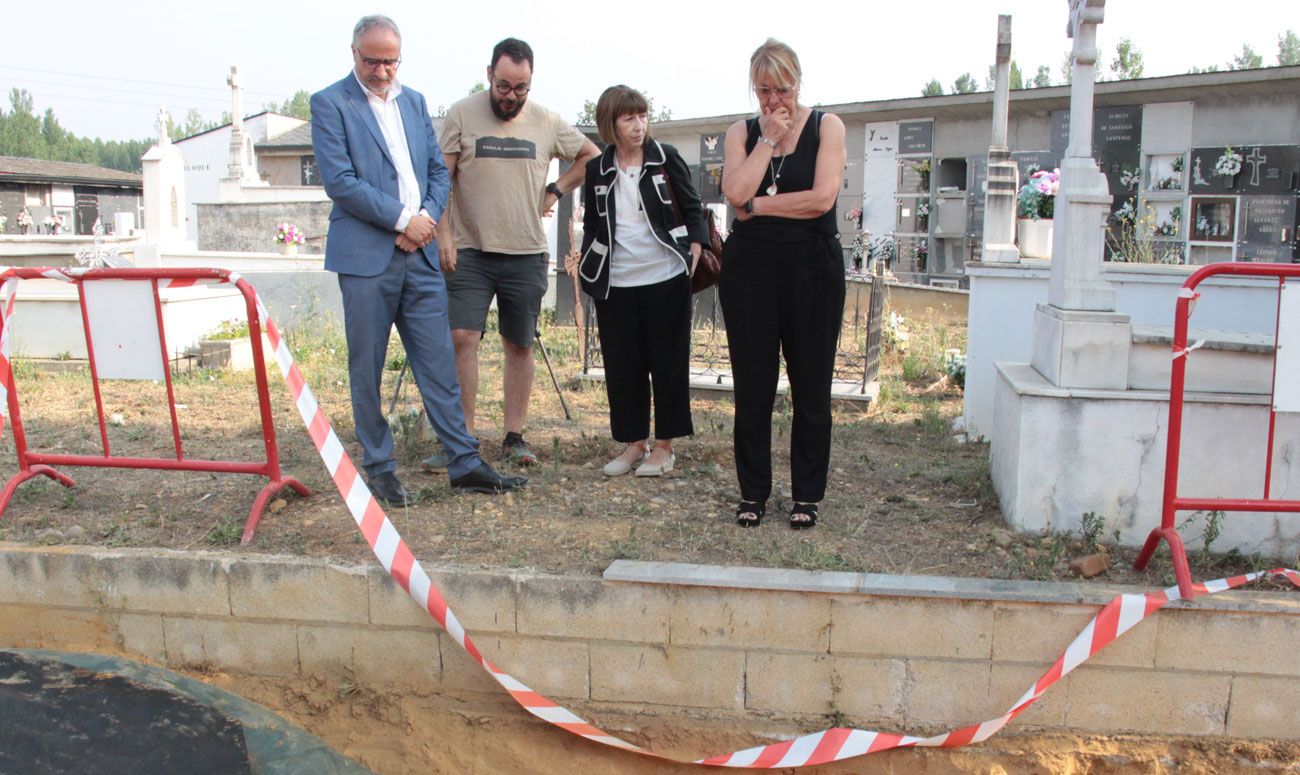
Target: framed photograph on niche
[[1214, 219]]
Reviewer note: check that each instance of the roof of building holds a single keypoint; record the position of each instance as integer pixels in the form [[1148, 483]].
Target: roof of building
[[21, 170], [298, 137], [1169, 88], [1265, 81], [223, 126]]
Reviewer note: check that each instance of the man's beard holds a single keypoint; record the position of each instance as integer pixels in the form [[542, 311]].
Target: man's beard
[[504, 115]]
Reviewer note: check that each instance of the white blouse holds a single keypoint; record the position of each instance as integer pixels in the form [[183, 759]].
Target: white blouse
[[638, 257]]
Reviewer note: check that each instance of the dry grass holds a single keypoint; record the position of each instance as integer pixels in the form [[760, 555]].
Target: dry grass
[[904, 497]]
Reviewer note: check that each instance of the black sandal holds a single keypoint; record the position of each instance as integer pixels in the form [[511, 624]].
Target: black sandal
[[750, 513], [803, 516]]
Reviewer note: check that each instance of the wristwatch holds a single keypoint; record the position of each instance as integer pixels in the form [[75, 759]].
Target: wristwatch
[[552, 188], [749, 207]]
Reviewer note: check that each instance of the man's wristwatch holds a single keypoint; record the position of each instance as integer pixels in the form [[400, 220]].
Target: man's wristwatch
[[749, 207], [552, 188]]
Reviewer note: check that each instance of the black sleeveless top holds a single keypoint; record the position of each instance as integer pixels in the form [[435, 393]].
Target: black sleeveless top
[[795, 173]]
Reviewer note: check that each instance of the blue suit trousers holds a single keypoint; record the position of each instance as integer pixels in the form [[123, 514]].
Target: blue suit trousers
[[413, 295]]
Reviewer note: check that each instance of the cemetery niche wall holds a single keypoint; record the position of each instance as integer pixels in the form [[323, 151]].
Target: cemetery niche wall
[[1147, 135]]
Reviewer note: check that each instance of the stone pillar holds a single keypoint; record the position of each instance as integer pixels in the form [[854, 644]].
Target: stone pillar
[[1079, 339], [1003, 180]]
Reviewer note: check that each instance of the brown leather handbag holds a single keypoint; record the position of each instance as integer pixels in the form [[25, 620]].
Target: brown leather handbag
[[709, 266]]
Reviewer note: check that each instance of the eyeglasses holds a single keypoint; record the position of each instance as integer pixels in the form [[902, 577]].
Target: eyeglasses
[[520, 89], [764, 92], [373, 63]]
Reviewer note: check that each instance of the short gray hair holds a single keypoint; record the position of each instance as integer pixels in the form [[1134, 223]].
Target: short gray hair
[[374, 21]]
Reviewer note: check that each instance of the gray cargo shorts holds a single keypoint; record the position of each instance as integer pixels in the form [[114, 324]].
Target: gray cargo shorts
[[517, 281]]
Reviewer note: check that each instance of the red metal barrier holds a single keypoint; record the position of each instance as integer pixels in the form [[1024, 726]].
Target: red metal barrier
[[32, 464], [1172, 502]]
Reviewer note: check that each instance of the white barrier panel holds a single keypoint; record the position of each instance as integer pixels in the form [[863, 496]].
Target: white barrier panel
[[1286, 379], [126, 343]]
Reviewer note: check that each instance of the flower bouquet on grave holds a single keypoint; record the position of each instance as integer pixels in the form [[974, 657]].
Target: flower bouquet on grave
[[24, 220], [1228, 166], [1035, 207], [4, 221], [1129, 238], [289, 237], [1037, 198], [923, 214], [854, 216], [1129, 178]]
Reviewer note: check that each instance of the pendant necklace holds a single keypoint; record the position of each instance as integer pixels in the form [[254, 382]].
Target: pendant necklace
[[776, 175]]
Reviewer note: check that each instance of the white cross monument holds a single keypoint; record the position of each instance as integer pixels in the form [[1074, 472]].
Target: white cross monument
[[241, 170], [1003, 177], [1079, 340]]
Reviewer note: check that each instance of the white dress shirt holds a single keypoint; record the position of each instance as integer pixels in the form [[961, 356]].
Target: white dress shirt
[[389, 117]]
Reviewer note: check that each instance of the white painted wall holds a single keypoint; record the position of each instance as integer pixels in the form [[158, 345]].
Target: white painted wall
[[1062, 453], [1002, 305]]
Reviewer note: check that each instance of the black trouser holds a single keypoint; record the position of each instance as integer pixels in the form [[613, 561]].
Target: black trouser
[[645, 340], [782, 297]]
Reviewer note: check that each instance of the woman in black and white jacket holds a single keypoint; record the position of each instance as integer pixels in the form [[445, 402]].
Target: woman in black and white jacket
[[638, 254]]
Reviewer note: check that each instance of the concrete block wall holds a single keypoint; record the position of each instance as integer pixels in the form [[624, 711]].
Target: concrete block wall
[[251, 226], [914, 659]]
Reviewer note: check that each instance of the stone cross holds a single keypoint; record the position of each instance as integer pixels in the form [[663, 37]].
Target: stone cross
[[1085, 15], [1001, 94], [1002, 180], [1079, 340], [1083, 202], [1255, 159], [236, 101], [163, 122]]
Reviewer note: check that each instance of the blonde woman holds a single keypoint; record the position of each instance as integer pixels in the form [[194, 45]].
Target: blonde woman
[[782, 282], [643, 228]]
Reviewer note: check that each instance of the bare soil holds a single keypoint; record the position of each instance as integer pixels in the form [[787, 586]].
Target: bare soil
[[406, 732], [905, 496]]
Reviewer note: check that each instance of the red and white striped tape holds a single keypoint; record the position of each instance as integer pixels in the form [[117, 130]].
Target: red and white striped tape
[[836, 744]]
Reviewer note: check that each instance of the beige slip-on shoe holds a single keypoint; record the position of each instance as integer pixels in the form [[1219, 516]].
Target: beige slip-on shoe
[[646, 469]]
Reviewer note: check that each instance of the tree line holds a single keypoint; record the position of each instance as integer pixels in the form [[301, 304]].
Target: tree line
[[1125, 65], [25, 134]]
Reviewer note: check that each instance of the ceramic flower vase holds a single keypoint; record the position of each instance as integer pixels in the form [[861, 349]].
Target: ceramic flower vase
[[1034, 237]]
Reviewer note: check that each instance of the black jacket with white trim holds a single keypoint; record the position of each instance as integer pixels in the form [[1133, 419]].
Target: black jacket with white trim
[[664, 177]]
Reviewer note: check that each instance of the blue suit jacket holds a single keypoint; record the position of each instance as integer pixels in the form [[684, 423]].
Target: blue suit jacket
[[359, 175]]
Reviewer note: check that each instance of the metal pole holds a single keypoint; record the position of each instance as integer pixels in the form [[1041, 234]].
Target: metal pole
[[547, 358]]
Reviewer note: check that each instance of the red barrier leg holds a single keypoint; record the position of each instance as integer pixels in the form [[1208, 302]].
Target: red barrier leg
[[31, 473], [1182, 572], [271, 489]]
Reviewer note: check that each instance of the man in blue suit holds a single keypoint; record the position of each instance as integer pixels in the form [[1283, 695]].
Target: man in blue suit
[[380, 163]]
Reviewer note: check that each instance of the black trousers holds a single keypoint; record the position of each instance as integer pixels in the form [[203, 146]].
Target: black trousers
[[779, 298], [645, 340]]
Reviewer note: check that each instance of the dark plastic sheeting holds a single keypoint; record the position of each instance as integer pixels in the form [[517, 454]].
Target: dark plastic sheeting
[[92, 714]]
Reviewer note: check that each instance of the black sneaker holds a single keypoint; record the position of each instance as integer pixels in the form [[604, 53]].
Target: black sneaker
[[517, 451]]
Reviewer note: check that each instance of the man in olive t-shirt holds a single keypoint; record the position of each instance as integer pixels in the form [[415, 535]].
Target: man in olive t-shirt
[[499, 148]]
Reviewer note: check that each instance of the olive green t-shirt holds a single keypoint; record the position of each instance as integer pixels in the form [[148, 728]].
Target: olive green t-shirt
[[500, 177]]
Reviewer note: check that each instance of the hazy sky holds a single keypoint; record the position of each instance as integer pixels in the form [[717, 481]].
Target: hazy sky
[[105, 70]]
